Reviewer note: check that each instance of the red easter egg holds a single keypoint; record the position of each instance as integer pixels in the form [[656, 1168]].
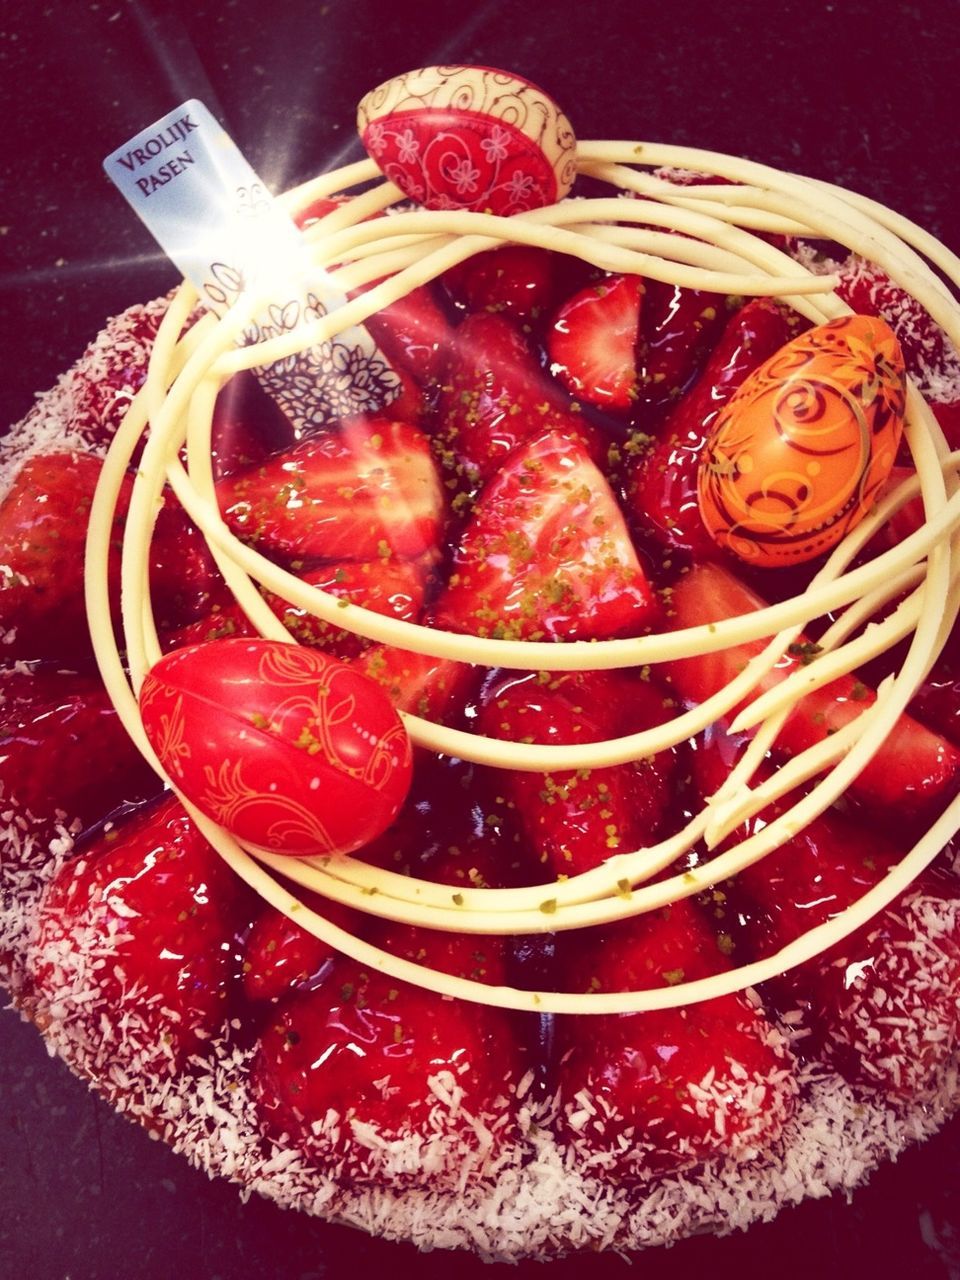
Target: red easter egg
[[469, 138], [797, 456], [285, 747]]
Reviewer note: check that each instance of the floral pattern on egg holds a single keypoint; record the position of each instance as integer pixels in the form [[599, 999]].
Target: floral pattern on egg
[[474, 138], [286, 748], [796, 458]]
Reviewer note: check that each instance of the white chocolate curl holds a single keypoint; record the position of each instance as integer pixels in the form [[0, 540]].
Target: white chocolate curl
[[717, 251]]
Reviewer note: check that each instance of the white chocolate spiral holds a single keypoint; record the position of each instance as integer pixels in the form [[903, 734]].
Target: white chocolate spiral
[[717, 251]]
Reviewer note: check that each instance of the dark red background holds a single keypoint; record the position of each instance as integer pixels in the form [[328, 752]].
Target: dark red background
[[854, 91]]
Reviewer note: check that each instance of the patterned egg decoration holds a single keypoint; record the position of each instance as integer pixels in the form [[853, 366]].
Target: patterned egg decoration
[[469, 138], [796, 457], [287, 748]]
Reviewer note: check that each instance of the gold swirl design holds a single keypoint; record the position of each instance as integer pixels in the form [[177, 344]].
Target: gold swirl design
[[390, 749], [229, 797], [321, 710], [486, 91], [170, 743]]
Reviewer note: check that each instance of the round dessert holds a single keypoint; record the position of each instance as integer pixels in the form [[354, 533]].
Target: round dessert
[[653, 546]]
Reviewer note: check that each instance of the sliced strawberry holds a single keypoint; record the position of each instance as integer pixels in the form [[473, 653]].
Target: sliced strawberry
[[494, 398], [547, 554], [662, 482], [280, 957], [883, 1005], [576, 819], [136, 945], [367, 490], [678, 327], [414, 333], [911, 771], [64, 750], [435, 688], [247, 426], [43, 531], [394, 588], [365, 1061], [517, 279], [666, 1090], [592, 343]]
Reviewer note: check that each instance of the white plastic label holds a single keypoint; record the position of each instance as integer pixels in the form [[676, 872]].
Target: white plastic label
[[187, 180]]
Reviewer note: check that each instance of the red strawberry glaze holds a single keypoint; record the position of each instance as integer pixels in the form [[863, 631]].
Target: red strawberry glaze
[[279, 957], [146, 923], [576, 819], [913, 770], [592, 343], [369, 489], [547, 553], [395, 588], [43, 530], [517, 280], [63, 749], [735, 1100], [366, 1075], [883, 1005], [493, 398], [667, 1089]]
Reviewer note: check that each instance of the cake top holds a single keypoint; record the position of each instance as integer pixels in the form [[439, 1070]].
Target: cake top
[[721, 231]]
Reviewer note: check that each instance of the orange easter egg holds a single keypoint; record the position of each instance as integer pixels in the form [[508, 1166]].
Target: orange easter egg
[[796, 457]]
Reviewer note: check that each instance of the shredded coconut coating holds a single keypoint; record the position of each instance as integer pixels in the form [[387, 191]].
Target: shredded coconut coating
[[530, 1198]]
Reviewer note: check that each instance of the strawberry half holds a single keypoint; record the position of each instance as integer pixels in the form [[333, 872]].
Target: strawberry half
[[379, 1081], [547, 554], [661, 1091], [366, 490], [63, 749], [869, 291], [913, 769], [678, 327], [883, 1005], [576, 819], [280, 957], [394, 588], [592, 343], [435, 688], [467, 863], [662, 482], [136, 945], [518, 280], [43, 532], [414, 333], [494, 398]]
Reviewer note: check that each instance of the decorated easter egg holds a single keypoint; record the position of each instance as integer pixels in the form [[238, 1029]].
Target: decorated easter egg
[[285, 747], [796, 457], [469, 138]]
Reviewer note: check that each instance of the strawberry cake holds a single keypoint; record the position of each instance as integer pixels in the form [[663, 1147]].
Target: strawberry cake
[[665, 935]]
